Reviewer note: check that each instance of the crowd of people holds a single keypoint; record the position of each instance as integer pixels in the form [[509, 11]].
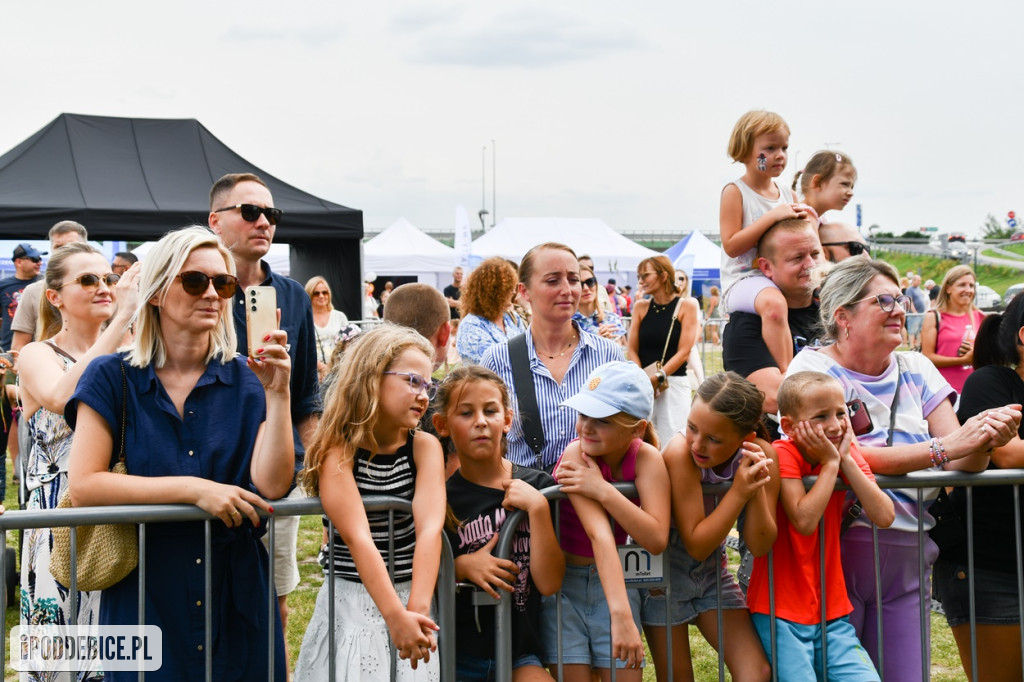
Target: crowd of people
[[558, 381]]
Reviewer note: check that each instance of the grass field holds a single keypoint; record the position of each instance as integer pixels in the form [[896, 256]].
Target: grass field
[[931, 267], [945, 661]]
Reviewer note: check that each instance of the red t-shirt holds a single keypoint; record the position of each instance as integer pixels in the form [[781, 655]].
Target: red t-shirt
[[796, 572]]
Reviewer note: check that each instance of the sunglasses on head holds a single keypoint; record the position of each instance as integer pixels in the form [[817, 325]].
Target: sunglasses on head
[[590, 282], [196, 283], [91, 281], [855, 248], [251, 212]]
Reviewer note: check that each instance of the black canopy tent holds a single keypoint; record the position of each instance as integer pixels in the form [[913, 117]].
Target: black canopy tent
[[134, 179]]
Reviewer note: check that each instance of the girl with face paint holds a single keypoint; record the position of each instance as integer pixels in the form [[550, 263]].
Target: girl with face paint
[[750, 206]]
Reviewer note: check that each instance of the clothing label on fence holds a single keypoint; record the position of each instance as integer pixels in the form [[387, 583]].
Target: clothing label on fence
[[69, 648], [641, 568]]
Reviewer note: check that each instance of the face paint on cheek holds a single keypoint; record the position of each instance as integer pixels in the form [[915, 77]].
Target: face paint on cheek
[[762, 162]]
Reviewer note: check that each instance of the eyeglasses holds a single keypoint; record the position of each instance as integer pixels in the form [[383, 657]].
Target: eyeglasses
[[418, 384], [590, 282], [644, 275], [855, 248], [91, 281], [196, 283], [888, 302], [251, 212]]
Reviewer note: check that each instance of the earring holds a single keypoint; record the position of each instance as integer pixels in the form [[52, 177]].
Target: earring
[[847, 332]]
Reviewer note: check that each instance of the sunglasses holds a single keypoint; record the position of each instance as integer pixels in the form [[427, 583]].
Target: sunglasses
[[251, 212], [855, 248], [196, 283], [888, 302], [418, 384], [590, 282], [91, 281], [320, 293]]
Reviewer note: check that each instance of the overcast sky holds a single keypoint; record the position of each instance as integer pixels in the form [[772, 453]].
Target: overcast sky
[[611, 110]]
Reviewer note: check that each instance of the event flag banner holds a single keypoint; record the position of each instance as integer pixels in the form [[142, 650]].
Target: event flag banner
[[70, 648], [463, 237]]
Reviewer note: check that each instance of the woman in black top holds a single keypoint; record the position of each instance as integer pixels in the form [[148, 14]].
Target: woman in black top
[[997, 381], [663, 330]]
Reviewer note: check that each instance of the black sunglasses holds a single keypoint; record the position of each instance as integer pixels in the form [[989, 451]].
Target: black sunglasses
[[196, 283], [251, 212], [590, 282], [855, 248], [91, 281]]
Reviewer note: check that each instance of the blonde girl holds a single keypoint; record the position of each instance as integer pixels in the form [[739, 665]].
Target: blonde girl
[[616, 443], [720, 444], [826, 182], [367, 443]]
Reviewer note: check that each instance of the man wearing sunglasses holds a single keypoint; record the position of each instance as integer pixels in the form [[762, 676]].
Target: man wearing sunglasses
[[842, 241], [24, 323], [27, 263], [243, 215]]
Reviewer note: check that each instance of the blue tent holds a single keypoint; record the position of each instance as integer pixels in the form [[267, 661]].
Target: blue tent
[[697, 255]]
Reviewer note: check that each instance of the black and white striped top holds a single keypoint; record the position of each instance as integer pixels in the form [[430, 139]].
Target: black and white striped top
[[395, 475]]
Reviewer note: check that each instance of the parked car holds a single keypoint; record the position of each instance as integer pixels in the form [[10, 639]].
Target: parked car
[[1017, 236], [987, 298], [1012, 291]]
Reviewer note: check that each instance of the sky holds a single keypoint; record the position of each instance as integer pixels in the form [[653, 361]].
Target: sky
[[596, 109]]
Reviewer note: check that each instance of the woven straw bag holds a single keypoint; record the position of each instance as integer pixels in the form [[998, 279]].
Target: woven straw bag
[[107, 553]]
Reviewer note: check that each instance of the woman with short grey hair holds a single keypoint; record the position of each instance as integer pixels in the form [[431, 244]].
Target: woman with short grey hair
[[902, 414]]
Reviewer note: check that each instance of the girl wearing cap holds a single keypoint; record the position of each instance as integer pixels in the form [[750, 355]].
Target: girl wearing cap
[[616, 443]]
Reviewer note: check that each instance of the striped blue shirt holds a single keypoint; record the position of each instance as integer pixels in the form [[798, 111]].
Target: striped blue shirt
[[558, 423]]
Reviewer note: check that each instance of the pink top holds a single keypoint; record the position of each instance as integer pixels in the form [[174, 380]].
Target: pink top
[[572, 536], [947, 342]]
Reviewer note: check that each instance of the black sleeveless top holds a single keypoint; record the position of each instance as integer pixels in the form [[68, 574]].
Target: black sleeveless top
[[652, 333]]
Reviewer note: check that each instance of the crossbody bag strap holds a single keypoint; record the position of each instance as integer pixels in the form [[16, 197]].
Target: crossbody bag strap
[[526, 395], [60, 351], [124, 411], [668, 337]]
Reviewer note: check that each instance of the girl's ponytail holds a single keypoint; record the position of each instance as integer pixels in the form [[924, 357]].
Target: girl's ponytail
[[796, 180]]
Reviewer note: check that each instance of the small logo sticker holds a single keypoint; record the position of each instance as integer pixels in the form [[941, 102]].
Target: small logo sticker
[[593, 383]]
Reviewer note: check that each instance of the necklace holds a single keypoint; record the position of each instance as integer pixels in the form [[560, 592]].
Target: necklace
[[564, 351], [658, 309]]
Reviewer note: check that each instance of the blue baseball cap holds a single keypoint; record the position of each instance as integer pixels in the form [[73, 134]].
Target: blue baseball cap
[[612, 388], [26, 251]]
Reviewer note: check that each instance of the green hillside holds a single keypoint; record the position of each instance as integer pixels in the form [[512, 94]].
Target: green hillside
[[931, 267]]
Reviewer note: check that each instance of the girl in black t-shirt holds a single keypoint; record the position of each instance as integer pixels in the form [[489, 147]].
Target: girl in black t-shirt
[[474, 413]]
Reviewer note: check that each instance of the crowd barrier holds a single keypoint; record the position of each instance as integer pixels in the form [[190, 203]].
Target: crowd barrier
[[446, 586]]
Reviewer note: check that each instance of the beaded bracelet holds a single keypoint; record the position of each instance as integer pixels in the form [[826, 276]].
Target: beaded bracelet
[[937, 452]]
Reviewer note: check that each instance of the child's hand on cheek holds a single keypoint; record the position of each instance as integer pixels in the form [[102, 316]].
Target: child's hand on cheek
[[847, 441], [813, 443]]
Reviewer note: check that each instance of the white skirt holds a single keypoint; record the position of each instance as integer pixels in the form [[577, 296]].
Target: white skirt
[[362, 645], [672, 408]]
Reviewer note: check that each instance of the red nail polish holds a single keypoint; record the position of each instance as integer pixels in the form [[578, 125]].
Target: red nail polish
[[259, 351], [267, 337], [271, 510]]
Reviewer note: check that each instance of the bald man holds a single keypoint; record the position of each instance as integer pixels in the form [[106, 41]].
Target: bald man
[[841, 241]]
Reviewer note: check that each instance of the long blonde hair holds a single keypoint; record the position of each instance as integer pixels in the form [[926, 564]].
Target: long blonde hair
[[50, 319], [952, 275], [160, 267], [352, 403]]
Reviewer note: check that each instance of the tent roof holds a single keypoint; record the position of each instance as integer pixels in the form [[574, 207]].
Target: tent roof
[[136, 178], [612, 252], [698, 255], [403, 248]]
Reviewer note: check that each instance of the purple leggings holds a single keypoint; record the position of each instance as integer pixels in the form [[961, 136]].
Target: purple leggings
[[901, 598]]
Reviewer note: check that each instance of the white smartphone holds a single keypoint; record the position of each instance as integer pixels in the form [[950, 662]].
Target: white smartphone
[[260, 315]]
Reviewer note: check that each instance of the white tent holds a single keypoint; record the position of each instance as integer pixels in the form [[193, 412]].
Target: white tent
[[614, 255], [403, 249], [699, 256]]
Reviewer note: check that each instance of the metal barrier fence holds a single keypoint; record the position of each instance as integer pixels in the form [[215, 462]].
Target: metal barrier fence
[[147, 514], [446, 585]]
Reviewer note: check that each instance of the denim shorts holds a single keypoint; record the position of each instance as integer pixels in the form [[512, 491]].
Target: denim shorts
[[693, 587], [473, 669], [586, 623], [996, 601]]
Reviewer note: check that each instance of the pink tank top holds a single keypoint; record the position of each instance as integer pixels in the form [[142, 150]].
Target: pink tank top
[[947, 342], [573, 537]]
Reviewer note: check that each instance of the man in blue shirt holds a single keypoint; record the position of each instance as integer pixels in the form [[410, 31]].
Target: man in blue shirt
[[242, 214]]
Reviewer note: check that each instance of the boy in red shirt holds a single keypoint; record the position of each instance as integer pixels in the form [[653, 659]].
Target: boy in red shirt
[[814, 416]]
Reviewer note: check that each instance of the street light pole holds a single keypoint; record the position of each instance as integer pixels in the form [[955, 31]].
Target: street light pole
[[494, 183]]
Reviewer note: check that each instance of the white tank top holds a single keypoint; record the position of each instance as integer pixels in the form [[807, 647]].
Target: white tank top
[[754, 206]]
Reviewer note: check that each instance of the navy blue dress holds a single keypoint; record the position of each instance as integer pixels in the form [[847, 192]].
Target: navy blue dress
[[215, 440]]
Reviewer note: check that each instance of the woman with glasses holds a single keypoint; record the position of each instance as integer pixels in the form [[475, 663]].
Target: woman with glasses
[[591, 317], [82, 294], [902, 415], [948, 330], [327, 321], [486, 303], [203, 427], [661, 335]]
